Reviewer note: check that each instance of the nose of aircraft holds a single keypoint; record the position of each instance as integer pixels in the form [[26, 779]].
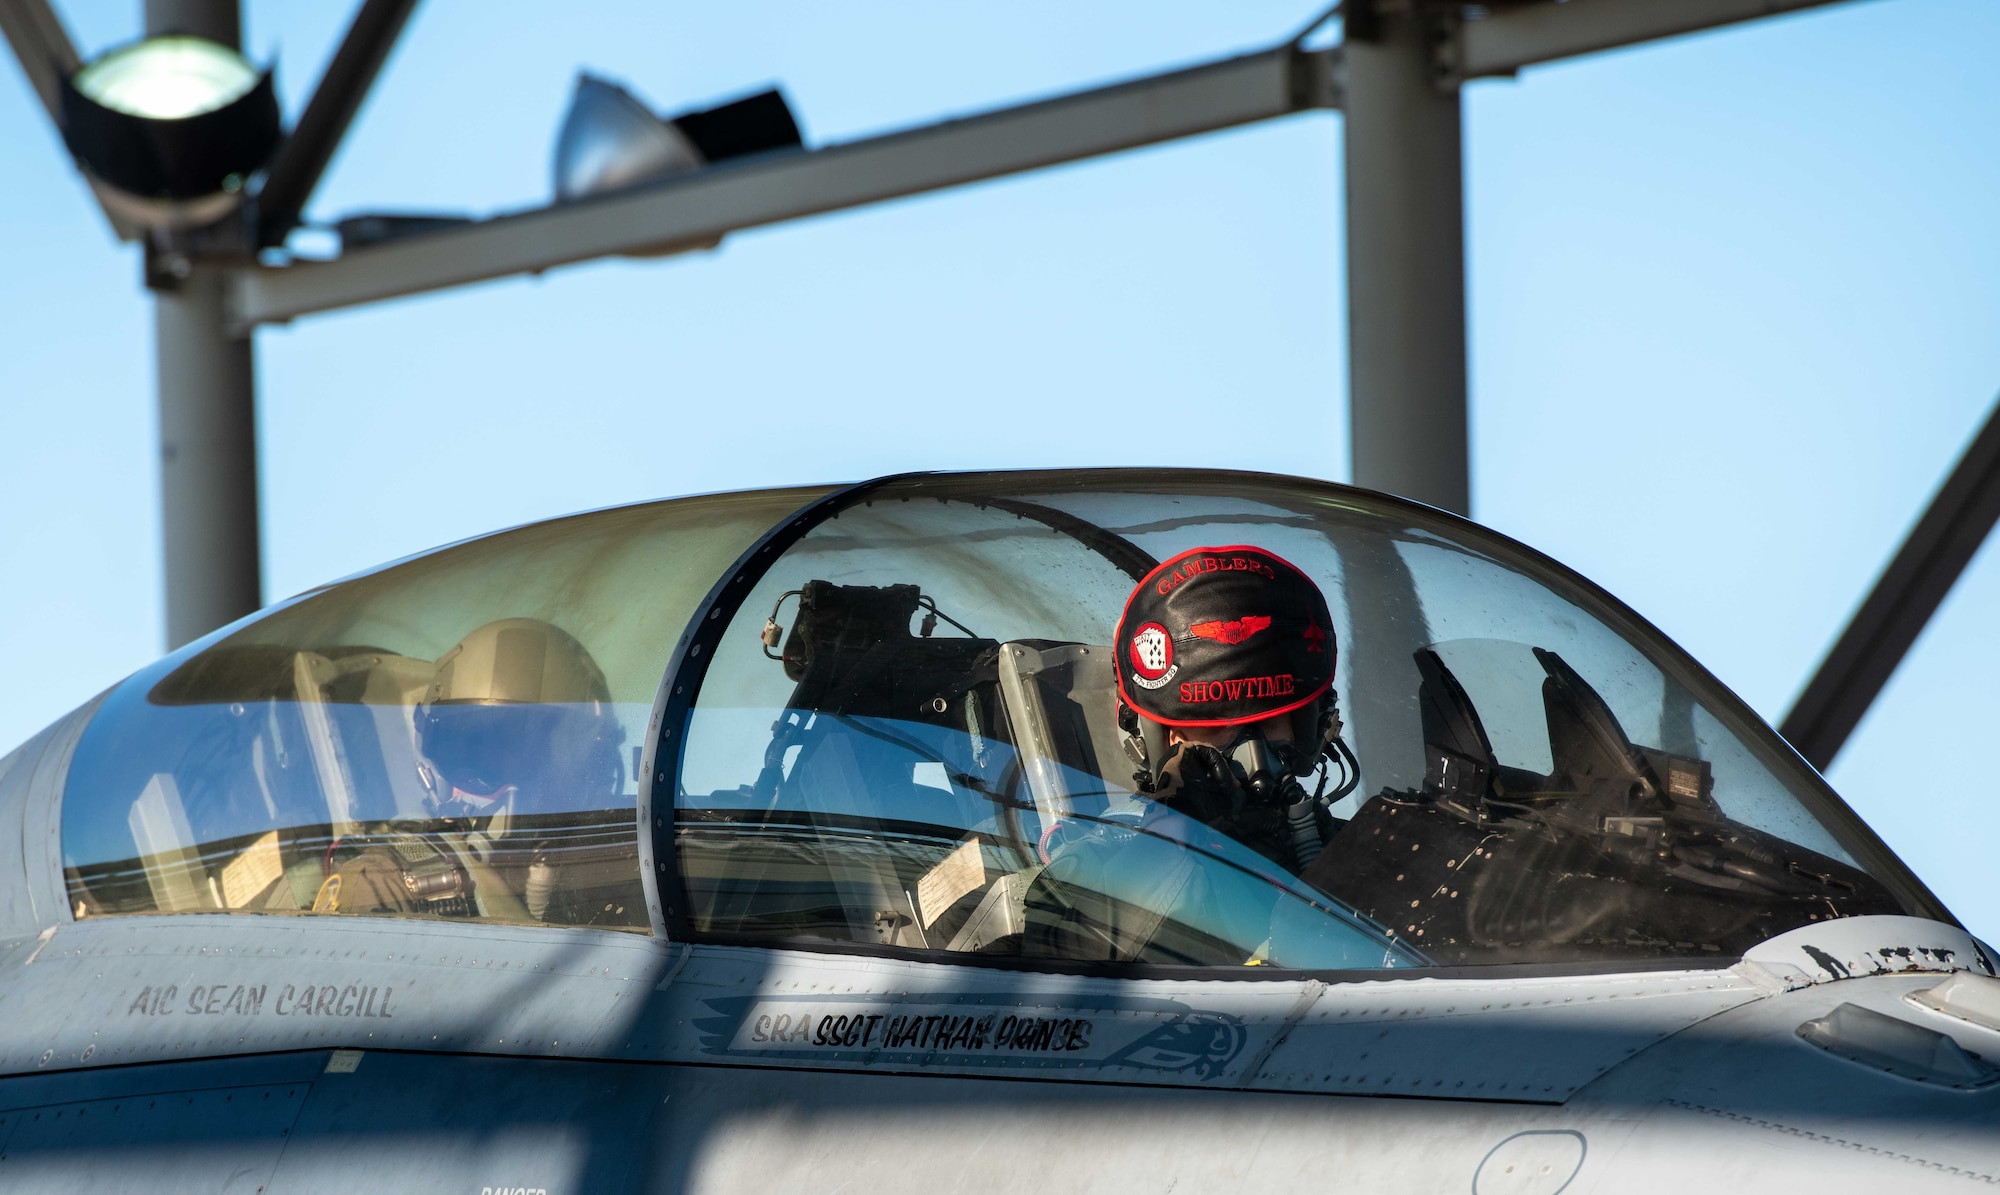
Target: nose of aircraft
[[1876, 1082]]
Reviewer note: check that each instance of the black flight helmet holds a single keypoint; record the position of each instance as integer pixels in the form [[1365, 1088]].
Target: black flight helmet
[[1225, 636]]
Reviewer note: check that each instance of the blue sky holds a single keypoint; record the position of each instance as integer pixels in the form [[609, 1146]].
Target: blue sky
[[1735, 307]]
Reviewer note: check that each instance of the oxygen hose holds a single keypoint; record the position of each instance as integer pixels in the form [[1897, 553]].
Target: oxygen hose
[[1302, 816]]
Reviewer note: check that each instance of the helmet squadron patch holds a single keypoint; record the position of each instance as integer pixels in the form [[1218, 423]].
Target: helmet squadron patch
[[1153, 657]]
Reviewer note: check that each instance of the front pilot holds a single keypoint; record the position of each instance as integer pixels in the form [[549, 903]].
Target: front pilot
[[517, 720], [515, 730]]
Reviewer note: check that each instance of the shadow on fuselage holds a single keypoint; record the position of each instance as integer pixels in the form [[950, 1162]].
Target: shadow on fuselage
[[473, 1116]]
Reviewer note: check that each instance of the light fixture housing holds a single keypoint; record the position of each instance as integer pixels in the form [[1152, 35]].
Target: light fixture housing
[[610, 141], [172, 127]]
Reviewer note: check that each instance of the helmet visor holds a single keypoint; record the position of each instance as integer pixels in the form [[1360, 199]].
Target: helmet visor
[[481, 749]]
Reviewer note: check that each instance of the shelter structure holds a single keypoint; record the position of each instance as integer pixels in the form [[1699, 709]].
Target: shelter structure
[[1396, 73]]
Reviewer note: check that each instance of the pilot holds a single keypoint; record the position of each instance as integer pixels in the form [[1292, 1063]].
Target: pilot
[[1225, 672], [1229, 654], [515, 727], [517, 721]]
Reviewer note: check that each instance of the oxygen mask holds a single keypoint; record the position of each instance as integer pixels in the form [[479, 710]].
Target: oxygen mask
[[1267, 771], [1252, 788]]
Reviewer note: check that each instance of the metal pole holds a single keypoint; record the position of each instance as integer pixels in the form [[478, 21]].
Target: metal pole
[[216, 20], [1918, 578], [1405, 266], [208, 417]]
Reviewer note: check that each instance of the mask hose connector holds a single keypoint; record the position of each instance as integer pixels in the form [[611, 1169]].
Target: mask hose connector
[[1268, 772], [1303, 818]]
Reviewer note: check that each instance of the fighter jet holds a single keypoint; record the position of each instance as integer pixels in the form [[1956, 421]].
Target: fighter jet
[[1156, 829]]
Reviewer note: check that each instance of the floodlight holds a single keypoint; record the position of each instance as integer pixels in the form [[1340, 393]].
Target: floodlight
[[610, 140], [172, 126]]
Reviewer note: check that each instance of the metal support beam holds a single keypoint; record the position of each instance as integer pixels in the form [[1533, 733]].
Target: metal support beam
[[1508, 39], [208, 418], [48, 58], [217, 20], [303, 158], [41, 43], [1911, 588], [1405, 268], [208, 461], [697, 210]]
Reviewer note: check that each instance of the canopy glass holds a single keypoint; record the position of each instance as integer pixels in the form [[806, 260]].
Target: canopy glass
[[897, 728]]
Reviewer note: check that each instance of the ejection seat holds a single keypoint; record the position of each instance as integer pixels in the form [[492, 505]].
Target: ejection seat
[[1022, 730]]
